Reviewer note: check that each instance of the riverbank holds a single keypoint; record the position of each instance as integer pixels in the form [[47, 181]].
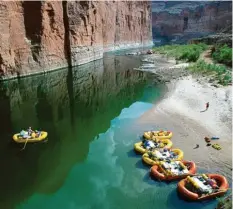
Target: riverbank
[[210, 61], [182, 111]]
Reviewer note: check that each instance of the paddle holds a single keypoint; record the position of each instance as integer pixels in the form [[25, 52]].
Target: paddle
[[24, 145], [220, 190], [224, 189]]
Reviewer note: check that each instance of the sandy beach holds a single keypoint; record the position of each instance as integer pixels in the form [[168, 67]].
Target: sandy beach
[[181, 111]]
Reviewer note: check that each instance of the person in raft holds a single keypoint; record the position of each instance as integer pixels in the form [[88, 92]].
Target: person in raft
[[207, 105], [213, 183], [37, 133], [30, 131]]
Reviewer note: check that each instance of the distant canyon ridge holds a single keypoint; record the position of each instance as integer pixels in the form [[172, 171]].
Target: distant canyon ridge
[[41, 36], [185, 20]]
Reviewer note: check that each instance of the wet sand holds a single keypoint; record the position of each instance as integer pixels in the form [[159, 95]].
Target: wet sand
[[181, 111]]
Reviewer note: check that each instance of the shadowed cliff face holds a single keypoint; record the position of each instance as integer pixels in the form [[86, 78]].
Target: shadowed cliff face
[[38, 36], [73, 108], [190, 19]]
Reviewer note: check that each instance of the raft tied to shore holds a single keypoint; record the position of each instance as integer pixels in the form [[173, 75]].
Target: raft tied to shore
[[168, 171], [149, 145], [155, 157], [152, 135], [203, 187]]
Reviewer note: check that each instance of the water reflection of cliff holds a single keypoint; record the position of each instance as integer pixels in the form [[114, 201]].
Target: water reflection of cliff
[[73, 109]]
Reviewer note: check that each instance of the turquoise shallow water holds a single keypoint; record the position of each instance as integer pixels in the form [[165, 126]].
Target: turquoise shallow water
[[88, 162], [113, 176]]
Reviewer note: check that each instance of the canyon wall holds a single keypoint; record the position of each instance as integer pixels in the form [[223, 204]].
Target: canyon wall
[[190, 19], [42, 36]]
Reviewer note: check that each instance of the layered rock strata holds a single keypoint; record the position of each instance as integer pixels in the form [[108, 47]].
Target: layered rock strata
[[193, 19], [41, 36]]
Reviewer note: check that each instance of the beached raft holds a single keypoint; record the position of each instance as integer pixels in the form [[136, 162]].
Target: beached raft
[[216, 146], [203, 187], [33, 138], [173, 171], [155, 157], [152, 135], [143, 147]]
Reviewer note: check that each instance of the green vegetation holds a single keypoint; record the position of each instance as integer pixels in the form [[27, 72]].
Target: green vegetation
[[189, 52], [220, 73], [192, 52], [223, 54]]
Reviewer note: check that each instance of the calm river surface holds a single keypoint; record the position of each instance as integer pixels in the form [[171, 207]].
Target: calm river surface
[[88, 161]]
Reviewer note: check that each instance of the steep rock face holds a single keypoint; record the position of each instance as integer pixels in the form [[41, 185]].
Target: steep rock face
[[197, 18], [104, 26], [33, 37], [41, 36]]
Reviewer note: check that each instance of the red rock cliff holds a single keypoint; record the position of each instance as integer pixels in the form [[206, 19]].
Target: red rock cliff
[[41, 36]]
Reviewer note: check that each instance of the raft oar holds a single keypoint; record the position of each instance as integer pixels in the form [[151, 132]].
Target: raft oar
[[221, 190], [24, 145]]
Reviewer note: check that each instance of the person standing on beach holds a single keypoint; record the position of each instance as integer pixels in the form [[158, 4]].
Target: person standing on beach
[[207, 105]]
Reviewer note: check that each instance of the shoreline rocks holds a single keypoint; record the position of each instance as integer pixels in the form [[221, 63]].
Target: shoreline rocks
[[170, 70]]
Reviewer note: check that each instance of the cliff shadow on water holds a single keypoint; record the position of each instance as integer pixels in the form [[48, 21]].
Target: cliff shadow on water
[[74, 108]]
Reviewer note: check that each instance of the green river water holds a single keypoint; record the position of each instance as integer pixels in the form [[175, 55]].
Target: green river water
[[88, 161]]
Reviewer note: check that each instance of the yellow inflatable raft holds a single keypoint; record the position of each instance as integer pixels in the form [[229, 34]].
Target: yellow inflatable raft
[[152, 135], [216, 146], [33, 138], [155, 157], [163, 143]]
